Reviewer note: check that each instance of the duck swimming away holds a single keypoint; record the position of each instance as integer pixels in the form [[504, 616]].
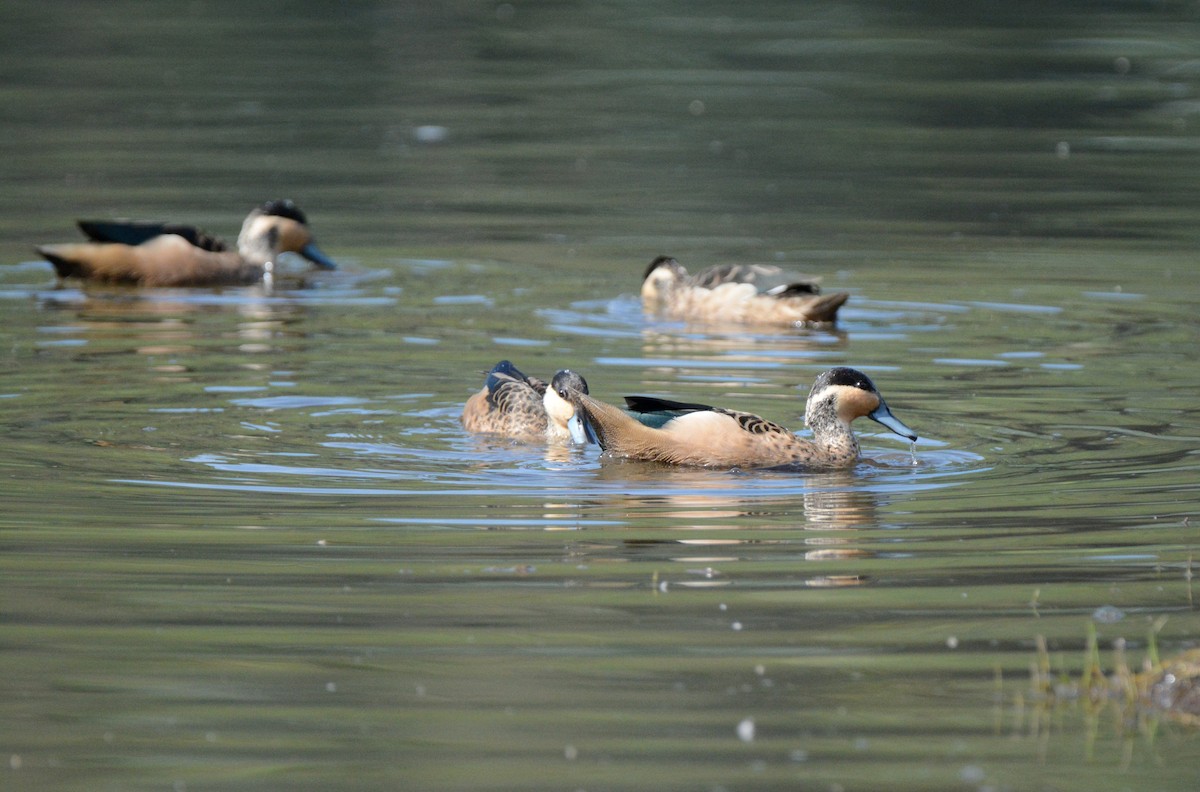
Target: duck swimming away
[[172, 254], [681, 433], [742, 294], [525, 408]]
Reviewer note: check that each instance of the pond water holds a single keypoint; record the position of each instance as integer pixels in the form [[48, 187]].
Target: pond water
[[245, 543]]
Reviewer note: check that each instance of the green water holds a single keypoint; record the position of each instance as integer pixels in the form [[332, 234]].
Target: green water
[[245, 544]]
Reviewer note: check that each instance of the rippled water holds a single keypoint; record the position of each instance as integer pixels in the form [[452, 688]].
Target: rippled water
[[246, 544]]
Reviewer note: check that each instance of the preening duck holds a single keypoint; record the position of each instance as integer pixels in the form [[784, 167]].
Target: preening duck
[[525, 408]]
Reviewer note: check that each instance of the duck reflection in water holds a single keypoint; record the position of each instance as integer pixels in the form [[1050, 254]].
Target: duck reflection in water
[[167, 324], [717, 522]]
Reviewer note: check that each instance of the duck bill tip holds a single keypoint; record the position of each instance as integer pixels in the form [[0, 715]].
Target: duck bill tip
[[318, 257], [579, 435], [882, 415]]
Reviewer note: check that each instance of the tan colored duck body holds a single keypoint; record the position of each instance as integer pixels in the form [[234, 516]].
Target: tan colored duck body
[[166, 254], [521, 407], [738, 294], [679, 433]]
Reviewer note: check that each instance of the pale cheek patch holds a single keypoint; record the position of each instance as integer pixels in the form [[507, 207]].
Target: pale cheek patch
[[292, 235], [557, 408], [855, 403]]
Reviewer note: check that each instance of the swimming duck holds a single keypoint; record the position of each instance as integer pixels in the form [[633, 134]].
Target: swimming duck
[[524, 408], [739, 293], [680, 433], [171, 254]]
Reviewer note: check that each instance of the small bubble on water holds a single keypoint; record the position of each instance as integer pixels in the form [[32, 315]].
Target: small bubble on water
[[737, 625], [1107, 614], [952, 641], [571, 753], [745, 730]]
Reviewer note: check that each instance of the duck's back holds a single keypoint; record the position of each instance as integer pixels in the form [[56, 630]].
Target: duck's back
[[507, 406]]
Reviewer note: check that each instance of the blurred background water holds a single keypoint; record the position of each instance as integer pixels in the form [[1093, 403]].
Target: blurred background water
[[245, 543]]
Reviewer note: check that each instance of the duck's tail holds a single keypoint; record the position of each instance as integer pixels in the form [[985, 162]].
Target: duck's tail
[[824, 307], [66, 267]]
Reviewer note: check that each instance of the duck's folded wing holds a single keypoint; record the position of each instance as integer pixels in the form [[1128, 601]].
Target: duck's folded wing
[[135, 232], [505, 373], [794, 290], [766, 278], [654, 412]]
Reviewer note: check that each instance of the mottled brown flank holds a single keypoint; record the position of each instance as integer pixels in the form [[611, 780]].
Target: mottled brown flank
[[151, 255], [736, 294]]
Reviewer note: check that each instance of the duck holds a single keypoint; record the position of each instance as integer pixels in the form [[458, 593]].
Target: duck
[[526, 408], [698, 435], [756, 294], [175, 255]]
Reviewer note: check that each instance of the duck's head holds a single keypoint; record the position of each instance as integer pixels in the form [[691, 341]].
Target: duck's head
[[279, 227], [845, 394], [562, 404], [663, 274]]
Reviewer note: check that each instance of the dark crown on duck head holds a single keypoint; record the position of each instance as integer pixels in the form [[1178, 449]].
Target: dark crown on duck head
[[843, 375], [566, 381], [284, 208], [666, 262]]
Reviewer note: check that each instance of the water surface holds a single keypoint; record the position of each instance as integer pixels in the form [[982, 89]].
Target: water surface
[[247, 545]]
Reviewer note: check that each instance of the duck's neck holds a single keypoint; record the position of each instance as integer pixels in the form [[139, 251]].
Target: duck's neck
[[255, 250], [258, 240], [830, 432], [614, 429]]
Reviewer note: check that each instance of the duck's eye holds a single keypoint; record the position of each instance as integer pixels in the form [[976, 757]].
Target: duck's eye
[[562, 393]]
